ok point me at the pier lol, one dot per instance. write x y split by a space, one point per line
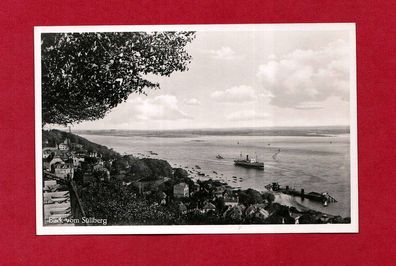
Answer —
323 197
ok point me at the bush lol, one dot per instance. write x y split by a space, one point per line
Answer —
180 173
249 197
158 168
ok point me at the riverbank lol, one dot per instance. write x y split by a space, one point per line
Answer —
313 163
149 183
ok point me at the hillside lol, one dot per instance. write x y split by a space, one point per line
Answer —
52 137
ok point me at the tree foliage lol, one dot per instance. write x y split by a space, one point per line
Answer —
180 173
84 75
121 206
249 197
159 168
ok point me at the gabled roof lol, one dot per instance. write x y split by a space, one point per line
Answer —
49 149
62 165
181 185
230 199
209 206
182 207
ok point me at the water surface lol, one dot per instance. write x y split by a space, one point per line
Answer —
314 163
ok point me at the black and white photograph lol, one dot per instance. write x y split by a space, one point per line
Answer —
188 129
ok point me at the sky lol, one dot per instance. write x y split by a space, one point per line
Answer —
247 79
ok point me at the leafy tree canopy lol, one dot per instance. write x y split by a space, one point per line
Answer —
84 75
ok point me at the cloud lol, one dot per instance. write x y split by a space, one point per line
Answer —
162 107
305 76
246 115
308 106
235 94
159 108
224 53
192 101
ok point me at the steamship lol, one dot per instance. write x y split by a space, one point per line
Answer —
249 163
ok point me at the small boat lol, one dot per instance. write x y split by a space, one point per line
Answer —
218 156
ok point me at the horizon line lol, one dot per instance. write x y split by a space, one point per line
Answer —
208 128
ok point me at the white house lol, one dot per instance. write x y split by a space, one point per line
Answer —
208 207
64 170
65 146
77 161
48 163
230 201
180 190
93 154
47 151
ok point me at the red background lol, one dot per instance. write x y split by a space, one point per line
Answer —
376 110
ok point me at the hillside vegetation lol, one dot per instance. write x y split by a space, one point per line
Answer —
53 137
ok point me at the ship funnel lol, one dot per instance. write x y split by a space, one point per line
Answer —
247 157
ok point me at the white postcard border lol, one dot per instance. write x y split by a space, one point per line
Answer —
353 227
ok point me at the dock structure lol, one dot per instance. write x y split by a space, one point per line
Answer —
323 197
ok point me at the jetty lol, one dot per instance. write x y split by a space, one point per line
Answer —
323 197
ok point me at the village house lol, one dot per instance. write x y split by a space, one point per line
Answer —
257 211
235 212
182 208
230 200
49 162
77 161
219 191
93 154
180 190
64 170
163 197
65 146
47 151
147 185
97 167
208 207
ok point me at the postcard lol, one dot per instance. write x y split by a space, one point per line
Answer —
196 129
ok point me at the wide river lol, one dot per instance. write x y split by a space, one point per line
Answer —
318 164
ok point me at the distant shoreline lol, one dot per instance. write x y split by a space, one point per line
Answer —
292 132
